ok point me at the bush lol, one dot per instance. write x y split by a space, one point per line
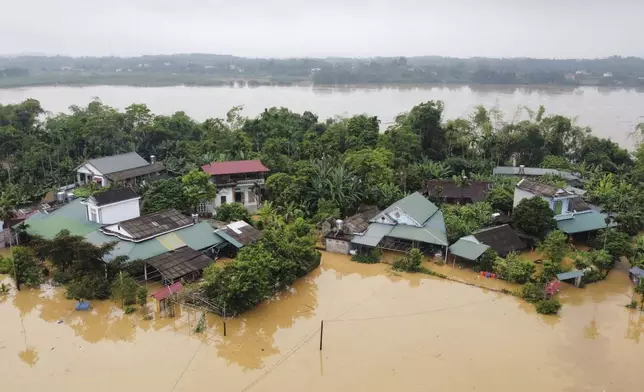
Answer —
410 262
129 309
548 306
618 244
5 265
534 217
88 287
62 277
486 261
372 257
532 292
514 269
230 212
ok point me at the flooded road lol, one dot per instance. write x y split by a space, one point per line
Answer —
382 332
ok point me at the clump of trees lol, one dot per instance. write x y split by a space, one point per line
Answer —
514 269
462 220
285 253
230 212
534 217
411 262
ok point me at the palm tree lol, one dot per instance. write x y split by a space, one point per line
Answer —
461 181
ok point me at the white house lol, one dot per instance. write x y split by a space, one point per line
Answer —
557 198
237 182
126 169
112 206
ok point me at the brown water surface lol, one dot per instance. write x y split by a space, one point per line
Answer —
383 331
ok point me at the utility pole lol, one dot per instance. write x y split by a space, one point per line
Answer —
321 332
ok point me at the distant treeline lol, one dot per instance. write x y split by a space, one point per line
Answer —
210 69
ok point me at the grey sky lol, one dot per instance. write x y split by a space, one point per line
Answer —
290 28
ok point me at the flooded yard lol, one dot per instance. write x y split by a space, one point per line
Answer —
382 332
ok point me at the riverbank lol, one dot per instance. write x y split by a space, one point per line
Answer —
381 331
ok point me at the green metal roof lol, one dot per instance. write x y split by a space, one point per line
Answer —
467 249
587 221
570 275
200 236
416 206
373 235
230 239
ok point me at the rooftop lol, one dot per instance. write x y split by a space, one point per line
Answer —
239 234
359 222
180 262
147 226
468 248
136 172
234 167
112 196
540 189
503 239
474 190
167 291
117 163
533 171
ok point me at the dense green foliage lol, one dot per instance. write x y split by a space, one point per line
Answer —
163 195
410 262
26 268
125 289
548 306
514 269
534 217
372 257
214 69
230 212
285 253
5 265
554 246
462 220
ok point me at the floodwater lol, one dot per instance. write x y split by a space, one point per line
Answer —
610 112
382 331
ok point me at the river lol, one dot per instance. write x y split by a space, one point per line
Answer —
382 332
610 112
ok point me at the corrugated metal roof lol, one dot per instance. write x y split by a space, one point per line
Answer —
234 167
586 221
373 235
570 275
116 163
467 249
171 241
637 271
199 236
533 171
48 228
416 206
137 171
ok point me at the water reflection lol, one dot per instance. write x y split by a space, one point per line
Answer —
29 356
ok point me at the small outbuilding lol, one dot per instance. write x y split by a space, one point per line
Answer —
163 297
184 262
468 248
636 274
570 275
503 239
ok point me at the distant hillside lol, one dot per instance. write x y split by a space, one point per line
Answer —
213 69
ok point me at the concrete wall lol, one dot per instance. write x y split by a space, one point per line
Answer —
118 212
520 194
337 246
249 199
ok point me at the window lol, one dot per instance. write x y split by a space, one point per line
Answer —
202 208
223 200
239 197
558 206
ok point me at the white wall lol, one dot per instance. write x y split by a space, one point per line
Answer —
520 194
250 201
118 212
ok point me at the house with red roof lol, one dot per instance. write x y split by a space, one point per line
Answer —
237 182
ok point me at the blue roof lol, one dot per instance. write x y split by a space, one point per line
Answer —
637 271
570 275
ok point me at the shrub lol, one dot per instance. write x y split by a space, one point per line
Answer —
372 257
129 309
548 306
486 261
617 244
410 262
62 277
514 269
142 296
532 292
232 212
5 265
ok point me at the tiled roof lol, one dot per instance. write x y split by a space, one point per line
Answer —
503 239
359 222
167 291
239 234
113 196
540 189
181 262
475 190
152 224
533 172
117 163
234 167
156 167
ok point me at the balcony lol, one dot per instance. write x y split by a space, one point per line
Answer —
232 182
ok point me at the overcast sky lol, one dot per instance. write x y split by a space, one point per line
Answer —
293 28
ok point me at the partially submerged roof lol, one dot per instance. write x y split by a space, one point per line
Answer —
359 222
583 222
533 172
167 291
373 235
117 163
474 190
416 206
541 189
152 168
234 167
503 239
468 248
570 275
112 196
148 226
71 217
637 271
239 234
181 262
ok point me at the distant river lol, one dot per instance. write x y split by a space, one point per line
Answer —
609 112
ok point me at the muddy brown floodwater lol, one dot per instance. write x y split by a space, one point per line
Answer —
382 332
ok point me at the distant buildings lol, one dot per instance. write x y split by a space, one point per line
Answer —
452 193
237 182
527 172
124 169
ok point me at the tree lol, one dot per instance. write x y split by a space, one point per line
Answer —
461 181
197 188
142 296
534 217
163 195
555 162
501 199
548 306
514 269
26 268
125 289
616 243
410 262
230 212
462 220
554 246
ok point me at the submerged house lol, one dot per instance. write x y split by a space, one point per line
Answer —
238 234
502 239
450 192
338 239
237 182
572 213
412 222
171 244
532 172
124 169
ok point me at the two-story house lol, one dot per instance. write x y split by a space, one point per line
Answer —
124 169
572 213
237 182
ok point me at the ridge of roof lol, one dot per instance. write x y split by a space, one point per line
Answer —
117 163
235 167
